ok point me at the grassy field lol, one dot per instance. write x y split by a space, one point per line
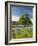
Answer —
21 32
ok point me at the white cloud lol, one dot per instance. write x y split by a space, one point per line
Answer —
15 18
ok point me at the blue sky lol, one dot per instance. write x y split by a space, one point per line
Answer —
18 10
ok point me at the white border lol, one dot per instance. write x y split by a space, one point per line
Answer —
34 25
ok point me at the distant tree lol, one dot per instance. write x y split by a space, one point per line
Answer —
24 19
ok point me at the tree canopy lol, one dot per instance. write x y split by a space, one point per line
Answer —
24 20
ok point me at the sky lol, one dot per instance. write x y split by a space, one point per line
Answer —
17 11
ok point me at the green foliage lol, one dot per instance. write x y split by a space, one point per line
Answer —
25 32
24 19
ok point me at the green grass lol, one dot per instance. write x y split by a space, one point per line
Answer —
25 32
